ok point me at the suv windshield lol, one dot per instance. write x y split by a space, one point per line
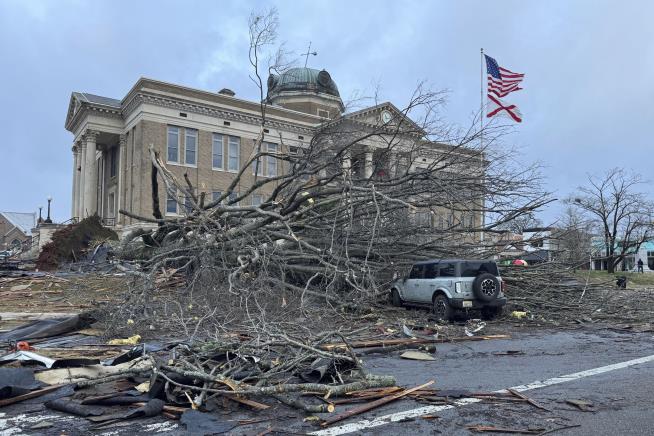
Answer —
473 269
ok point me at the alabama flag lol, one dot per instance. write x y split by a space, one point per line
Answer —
497 107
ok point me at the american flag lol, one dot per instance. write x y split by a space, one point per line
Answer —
502 82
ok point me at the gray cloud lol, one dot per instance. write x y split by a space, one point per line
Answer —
587 97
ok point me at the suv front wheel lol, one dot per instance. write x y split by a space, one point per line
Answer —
442 309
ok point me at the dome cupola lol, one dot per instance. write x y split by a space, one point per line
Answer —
305 90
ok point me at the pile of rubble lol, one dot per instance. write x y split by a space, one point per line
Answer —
71 368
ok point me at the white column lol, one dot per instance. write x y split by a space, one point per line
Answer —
82 180
346 164
121 177
75 199
368 164
90 175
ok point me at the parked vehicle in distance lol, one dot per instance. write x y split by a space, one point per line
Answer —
448 285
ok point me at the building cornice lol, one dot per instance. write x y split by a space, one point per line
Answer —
145 97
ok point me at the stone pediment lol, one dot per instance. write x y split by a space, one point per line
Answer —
385 115
80 101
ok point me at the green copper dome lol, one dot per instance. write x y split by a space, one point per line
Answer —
303 80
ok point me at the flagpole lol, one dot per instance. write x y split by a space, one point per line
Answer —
481 133
481 95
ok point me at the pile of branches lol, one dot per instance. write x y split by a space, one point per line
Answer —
250 370
551 293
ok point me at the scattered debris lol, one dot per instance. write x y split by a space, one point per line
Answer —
416 355
584 406
199 423
374 404
518 314
492 429
390 342
509 353
473 326
132 340
528 400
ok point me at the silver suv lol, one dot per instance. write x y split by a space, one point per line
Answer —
451 284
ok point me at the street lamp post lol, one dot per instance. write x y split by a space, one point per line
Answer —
48 220
40 218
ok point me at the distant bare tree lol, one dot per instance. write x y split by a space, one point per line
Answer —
623 215
574 237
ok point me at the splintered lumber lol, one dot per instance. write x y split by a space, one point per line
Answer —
403 341
488 428
373 404
254 404
30 395
528 400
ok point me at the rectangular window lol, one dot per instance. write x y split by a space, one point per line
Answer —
257 199
234 153
215 195
232 198
217 152
171 204
190 146
272 161
473 269
446 270
417 272
173 144
113 164
111 205
431 271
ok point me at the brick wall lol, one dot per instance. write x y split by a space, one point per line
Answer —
203 177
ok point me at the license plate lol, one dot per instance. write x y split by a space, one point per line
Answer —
467 304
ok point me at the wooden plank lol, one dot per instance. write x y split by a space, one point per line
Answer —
402 341
30 395
529 400
373 404
254 404
34 316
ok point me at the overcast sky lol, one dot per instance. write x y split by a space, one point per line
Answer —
587 102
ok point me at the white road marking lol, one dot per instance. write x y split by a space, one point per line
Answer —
414 413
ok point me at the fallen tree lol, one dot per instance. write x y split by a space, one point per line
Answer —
344 214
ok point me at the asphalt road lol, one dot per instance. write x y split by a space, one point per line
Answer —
621 398
621 395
